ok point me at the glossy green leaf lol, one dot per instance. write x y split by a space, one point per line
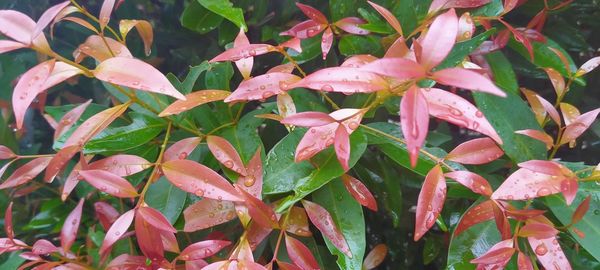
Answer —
166 198
343 8
311 49
494 8
226 9
218 76
471 244
199 19
352 44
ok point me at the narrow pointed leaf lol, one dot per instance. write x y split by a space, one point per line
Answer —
525 184
388 16
16 25
143 27
109 183
399 68
538 135
203 249
578 126
375 257
121 165
95 47
244 65
549 253
43 247
28 87
430 202
300 254
297 222
67 121
475 215
308 119
557 81
500 254
473 181
156 219
312 13
588 66
263 86
523 262
342 146
549 108
476 151
260 212
68 233
181 149
225 153
207 213
467 79
323 221
537 230
6 153
569 112
240 52
105 11
315 140
26 173
342 79
193 100
8 45
352 25
116 231
326 42
106 214
305 29
148 239
439 39
253 181
414 120
546 167
47 17
8 224
360 192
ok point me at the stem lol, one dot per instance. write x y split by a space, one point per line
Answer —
93 18
155 170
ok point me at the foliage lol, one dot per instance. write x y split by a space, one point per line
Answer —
111 164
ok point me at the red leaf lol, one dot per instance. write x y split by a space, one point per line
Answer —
225 153
580 125
498 254
375 257
121 165
581 210
388 16
109 183
260 212
399 68
193 100
457 110
466 79
352 25
244 65
315 140
305 29
207 213
136 74
43 247
68 233
143 27
117 230
126 262
8 224
26 173
312 13
343 80
95 47
525 184
326 41
263 86
30 84
67 121
181 149
6 153
287 266
47 17
342 146
414 119
431 201
240 52
308 119
155 218
537 230
105 11
253 181
360 192
501 221
523 214
300 254
538 135
149 240
106 214
195 265
297 222
475 215
169 241
324 222
549 253
549 108
473 181
439 39
588 66
196 178
201 250
523 262
476 151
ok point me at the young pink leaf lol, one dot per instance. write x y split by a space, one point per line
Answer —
431 201
109 183
283 68
116 231
6 153
67 121
59 161
287 266
547 167
8 224
414 120
326 42
557 81
588 66
523 262
207 213
126 261
195 265
537 230
466 27
343 80
308 119
193 100
169 241
578 126
181 149
312 13
525 184
26 173
498 254
398 49
549 108
315 140
473 181
43 247
305 29
29 86
260 212
569 112
17 26
439 39
77 20
95 47
203 249
106 214
399 68
61 72
9 45
388 16
375 257
148 239
324 222
538 135
156 219
263 86
47 17
68 233
121 164
300 254
143 27
475 215
244 65
240 52
297 222
476 151
457 110
352 25
342 146
549 253
466 79
294 44
136 74
359 60
253 181
105 11
359 192
225 153
568 187
196 178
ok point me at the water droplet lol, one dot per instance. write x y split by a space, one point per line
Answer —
543 192
327 88
228 164
182 155
541 249
199 192
117 233
283 85
249 181
353 125
267 94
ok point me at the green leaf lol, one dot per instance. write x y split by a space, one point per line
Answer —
351 45
343 8
155 102
226 10
510 114
218 76
13 261
199 19
311 48
463 49
380 178
187 85
374 23
494 8
166 198
348 217
143 129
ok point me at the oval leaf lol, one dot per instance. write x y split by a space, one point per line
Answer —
109 183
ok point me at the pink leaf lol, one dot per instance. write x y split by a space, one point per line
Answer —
342 146
109 183
43 247
126 261
476 151
473 181
525 184
95 47
475 215
8 45
546 167
181 149
537 230
260 212
297 222
588 66
557 81
466 79
388 16
121 164
326 42
59 161
300 254
105 11
193 100
498 254
169 241
244 65
430 202
116 231
240 52
569 187
308 119
358 60
106 214
523 262
201 250
549 253
439 39
253 181
47 17
578 126
324 222
312 13
344 80
466 27
67 121
26 173
305 29
143 27
549 108
414 119
263 86
375 257
149 239
283 68
457 110
6 153
61 72
156 219
29 86
287 266
398 68
352 25
399 49
68 233
359 192
207 213
225 153
136 74
16 25
569 112
315 140
196 178
538 135
8 224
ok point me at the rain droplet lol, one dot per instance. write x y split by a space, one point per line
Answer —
541 249
228 164
353 125
249 181
543 192
182 155
327 88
